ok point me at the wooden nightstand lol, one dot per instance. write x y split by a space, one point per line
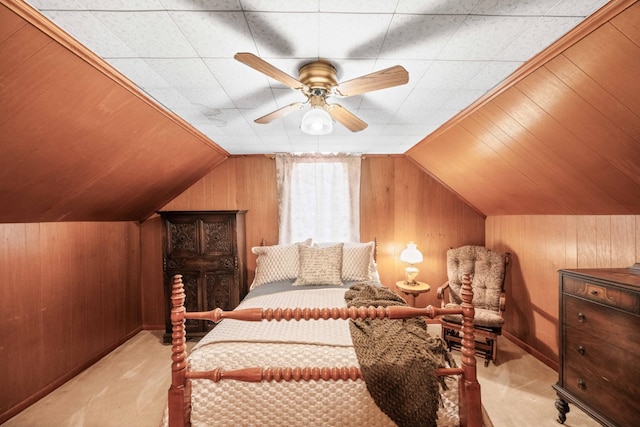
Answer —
413 289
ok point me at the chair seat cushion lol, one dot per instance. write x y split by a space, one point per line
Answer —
485 318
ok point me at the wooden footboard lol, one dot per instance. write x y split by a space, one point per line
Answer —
470 407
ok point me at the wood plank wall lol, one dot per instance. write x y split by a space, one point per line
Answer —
399 202
70 294
543 244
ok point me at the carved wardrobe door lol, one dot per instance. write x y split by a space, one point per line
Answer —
208 249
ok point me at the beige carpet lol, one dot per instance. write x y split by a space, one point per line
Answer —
129 386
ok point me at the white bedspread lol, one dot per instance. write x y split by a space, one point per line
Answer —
235 344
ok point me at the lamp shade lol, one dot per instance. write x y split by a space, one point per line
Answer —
411 255
316 121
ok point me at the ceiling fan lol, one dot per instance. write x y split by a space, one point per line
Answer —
317 81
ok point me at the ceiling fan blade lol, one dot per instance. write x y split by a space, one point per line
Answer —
389 77
345 117
264 67
268 118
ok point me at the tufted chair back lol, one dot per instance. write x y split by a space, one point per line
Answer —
487 269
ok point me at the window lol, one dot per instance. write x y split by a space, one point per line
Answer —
318 197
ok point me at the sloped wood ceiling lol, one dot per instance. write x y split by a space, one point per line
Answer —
78 142
563 139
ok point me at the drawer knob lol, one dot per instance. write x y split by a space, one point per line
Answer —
581 317
582 385
594 293
581 350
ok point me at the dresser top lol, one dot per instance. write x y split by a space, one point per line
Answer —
626 276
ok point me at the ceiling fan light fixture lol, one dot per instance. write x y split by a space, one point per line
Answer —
317 121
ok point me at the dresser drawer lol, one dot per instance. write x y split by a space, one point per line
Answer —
614 297
609 326
593 360
602 395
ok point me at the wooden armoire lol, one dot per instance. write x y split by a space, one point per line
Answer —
208 249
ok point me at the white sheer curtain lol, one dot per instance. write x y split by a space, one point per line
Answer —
318 197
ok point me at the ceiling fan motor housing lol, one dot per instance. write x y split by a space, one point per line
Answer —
318 75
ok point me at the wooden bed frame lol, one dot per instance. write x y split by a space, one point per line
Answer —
470 406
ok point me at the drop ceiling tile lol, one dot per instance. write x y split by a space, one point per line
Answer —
427 118
284 97
389 99
349 68
492 74
437 7
192 115
391 144
281 5
355 6
86 28
184 72
461 99
121 4
352 36
514 7
169 98
97 4
427 99
138 71
44 5
449 74
419 36
133 28
542 33
284 35
200 4
581 8
484 37
377 116
392 129
245 86
207 97
214 34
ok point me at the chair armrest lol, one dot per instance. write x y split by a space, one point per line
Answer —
503 302
440 294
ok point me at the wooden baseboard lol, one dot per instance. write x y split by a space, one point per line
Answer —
153 327
553 364
21 406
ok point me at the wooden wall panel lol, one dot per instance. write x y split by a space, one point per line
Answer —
559 136
543 244
70 294
80 142
398 203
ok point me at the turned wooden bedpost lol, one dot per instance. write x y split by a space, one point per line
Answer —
179 399
470 402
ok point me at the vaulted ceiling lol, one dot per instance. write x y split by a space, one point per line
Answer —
80 141
181 53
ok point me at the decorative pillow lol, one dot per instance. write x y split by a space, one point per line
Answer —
278 262
357 260
320 266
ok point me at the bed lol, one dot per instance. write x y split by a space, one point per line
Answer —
306 347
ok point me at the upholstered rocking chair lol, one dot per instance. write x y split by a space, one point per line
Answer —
487 270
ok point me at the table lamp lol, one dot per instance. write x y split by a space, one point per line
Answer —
411 256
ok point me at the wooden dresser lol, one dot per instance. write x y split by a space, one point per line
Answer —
599 369
208 249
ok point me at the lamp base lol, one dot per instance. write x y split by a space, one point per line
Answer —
411 273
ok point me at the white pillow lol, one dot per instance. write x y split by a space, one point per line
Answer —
320 266
277 262
357 260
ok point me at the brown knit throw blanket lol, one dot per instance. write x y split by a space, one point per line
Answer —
398 359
